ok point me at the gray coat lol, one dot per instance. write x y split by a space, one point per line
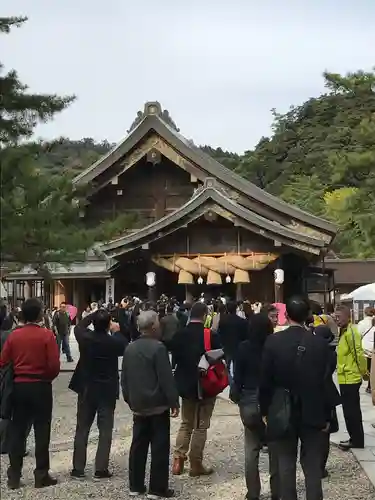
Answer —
147 381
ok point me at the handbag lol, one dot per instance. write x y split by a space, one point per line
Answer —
279 418
279 415
250 410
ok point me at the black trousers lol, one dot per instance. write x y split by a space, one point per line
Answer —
312 444
155 431
254 439
89 406
32 404
5 436
351 406
326 445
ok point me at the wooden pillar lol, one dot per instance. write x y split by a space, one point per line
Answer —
14 299
27 289
109 289
239 296
188 294
59 293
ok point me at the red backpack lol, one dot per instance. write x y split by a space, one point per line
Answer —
215 379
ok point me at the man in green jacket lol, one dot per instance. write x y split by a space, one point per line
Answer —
351 369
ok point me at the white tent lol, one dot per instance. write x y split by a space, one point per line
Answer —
363 293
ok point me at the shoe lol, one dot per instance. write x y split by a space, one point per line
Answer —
26 454
348 445
368 390
102 474
70 360
346 441
137 493
14 483
198 469
45 481
166 494
77 474
178 466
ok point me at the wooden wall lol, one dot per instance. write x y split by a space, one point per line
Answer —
150 191
203 236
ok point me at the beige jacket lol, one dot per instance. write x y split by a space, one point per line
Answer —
373 377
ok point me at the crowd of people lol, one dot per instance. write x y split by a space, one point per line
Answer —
176 360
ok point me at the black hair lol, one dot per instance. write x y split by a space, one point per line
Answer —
102 320
32 310
329 308
198 311
316 308
232 307
325 332
267 308
260 328
298 309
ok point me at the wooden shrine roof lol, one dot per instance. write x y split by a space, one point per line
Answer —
153 119
212 197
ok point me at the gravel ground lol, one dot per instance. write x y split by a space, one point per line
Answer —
224 450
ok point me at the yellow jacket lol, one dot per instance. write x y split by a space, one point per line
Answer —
351 362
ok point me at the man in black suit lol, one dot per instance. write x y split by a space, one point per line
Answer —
96 381
294 371
232 331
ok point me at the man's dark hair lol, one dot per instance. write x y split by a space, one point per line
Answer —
102 320
268 308
198 311
232 307
329 308
316 308
32 310
298 309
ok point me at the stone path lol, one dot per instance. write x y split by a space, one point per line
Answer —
365 457
224 450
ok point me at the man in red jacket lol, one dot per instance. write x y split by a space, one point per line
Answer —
34 355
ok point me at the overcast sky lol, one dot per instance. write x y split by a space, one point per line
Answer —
218 66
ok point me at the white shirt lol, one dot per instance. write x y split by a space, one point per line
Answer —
367 332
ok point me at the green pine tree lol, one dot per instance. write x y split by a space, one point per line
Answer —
41 214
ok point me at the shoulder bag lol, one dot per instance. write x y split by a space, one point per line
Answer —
279 418
250 409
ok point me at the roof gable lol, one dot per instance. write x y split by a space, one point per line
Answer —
153 120
211 197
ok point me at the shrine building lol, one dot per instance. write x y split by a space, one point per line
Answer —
200 228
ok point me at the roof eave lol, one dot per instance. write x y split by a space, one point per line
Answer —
206 163
150 232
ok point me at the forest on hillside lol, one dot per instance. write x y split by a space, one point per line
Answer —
320 157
